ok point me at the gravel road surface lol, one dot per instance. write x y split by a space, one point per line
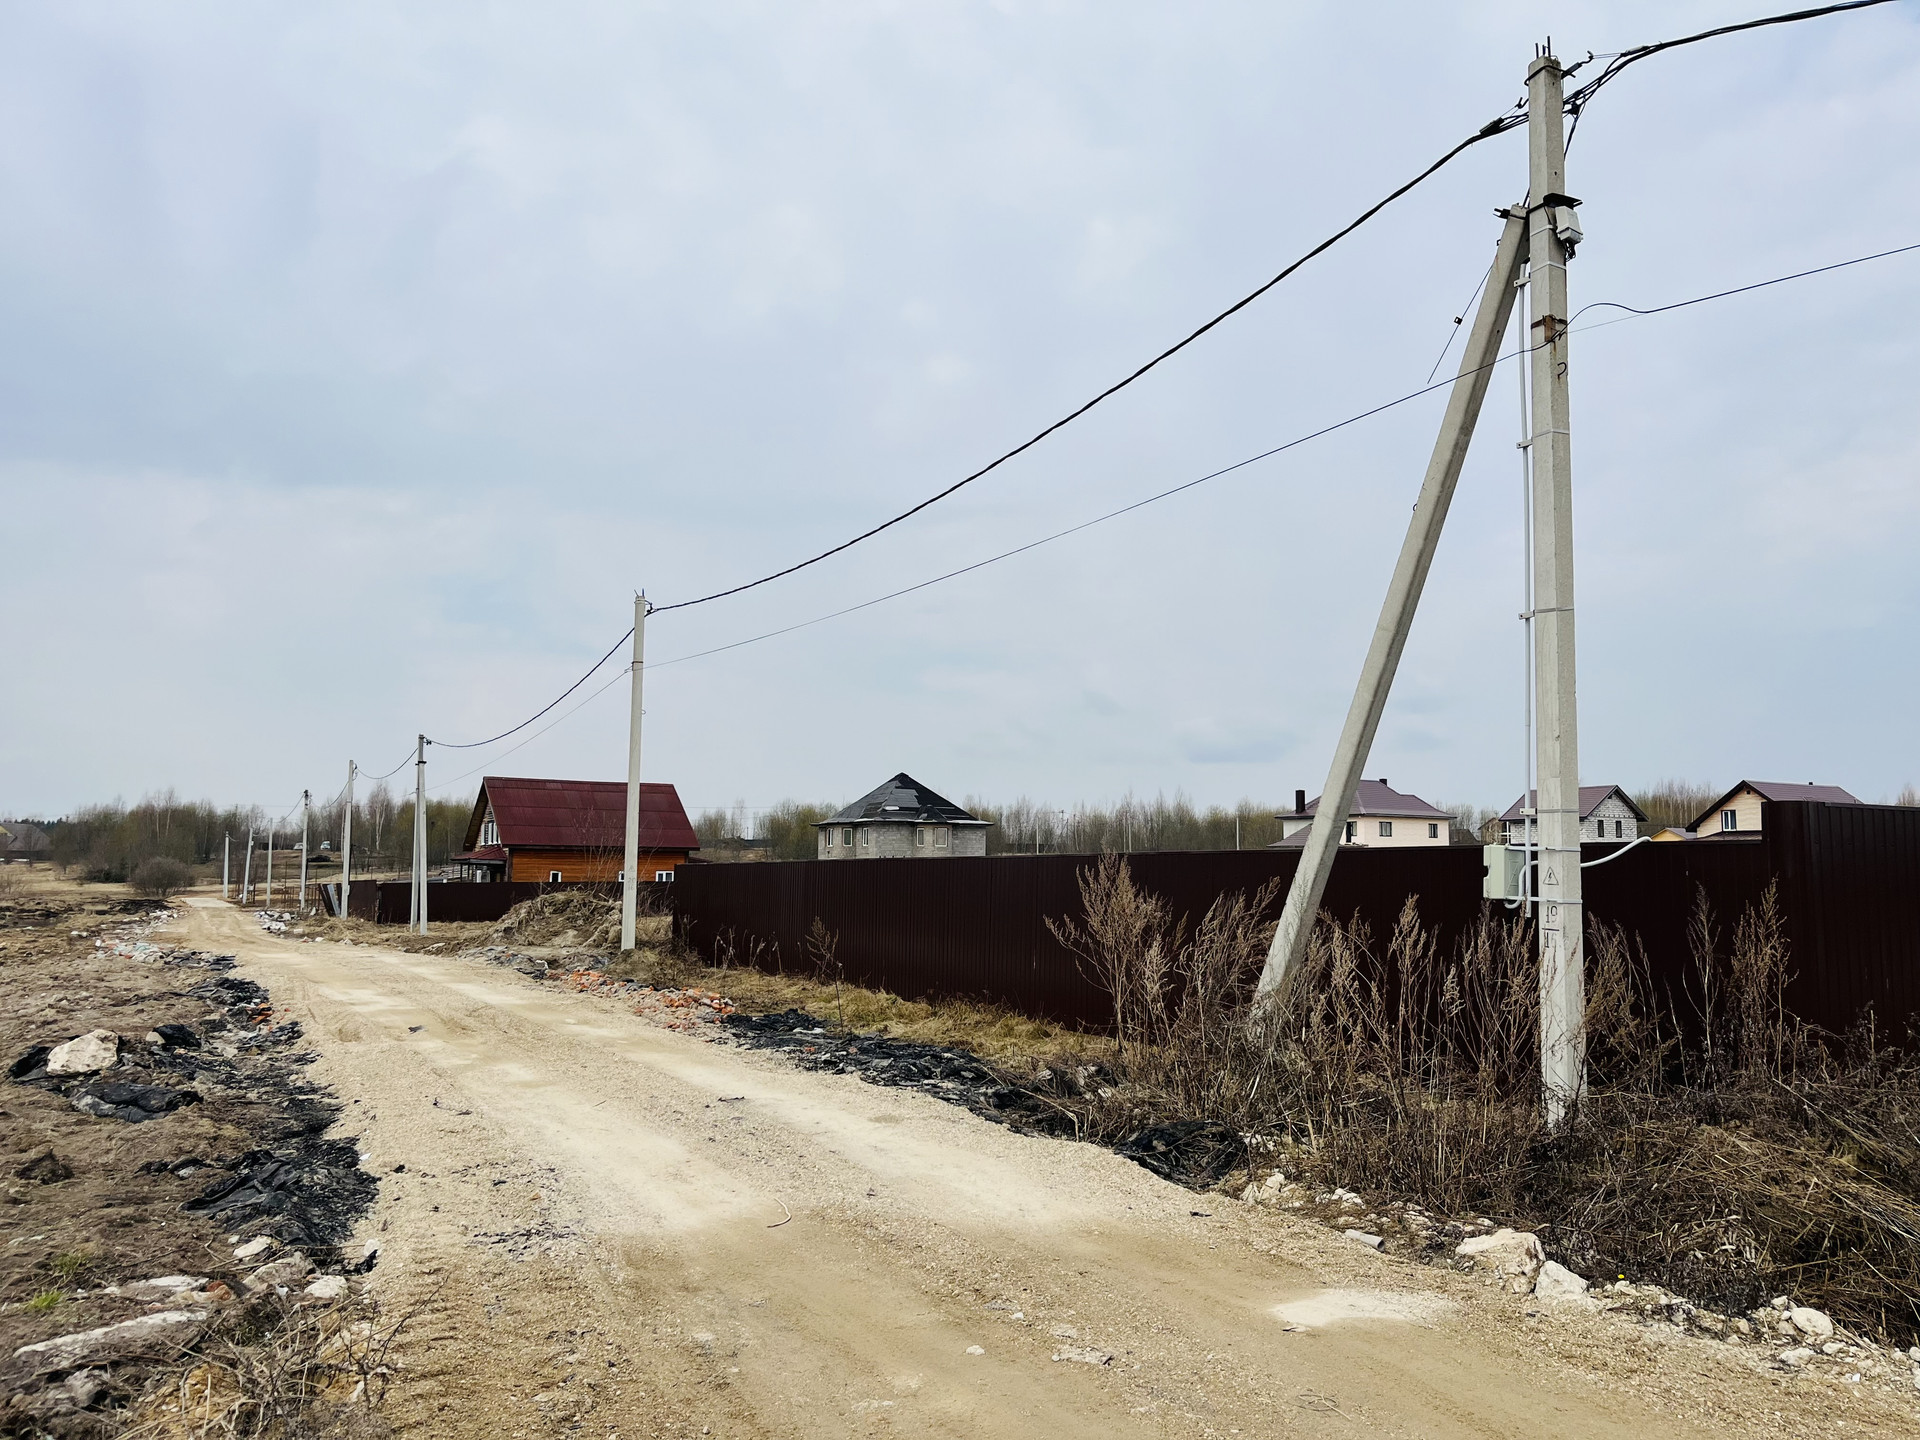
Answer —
592 1233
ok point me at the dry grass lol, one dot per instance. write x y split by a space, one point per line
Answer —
1731 1155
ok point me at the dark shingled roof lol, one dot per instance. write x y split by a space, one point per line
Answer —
905 800
1376 797
1590 798
1777 790
579 814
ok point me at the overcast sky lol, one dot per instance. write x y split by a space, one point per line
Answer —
358 362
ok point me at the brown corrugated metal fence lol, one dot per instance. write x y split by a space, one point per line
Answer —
1849 881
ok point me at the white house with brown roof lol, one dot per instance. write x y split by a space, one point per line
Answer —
1606 813
1738 811
1380 817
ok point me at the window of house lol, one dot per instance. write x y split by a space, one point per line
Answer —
1386 829
1729 820
1617 831
1353 831
866 839
940 838
620 877
920 835
1433 830
846 837
662 876
829 835
553 877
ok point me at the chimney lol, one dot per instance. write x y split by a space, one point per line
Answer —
1299 802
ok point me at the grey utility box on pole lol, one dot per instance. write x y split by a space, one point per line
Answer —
1557 730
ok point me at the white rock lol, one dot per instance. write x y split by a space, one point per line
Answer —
1555 1283
161 1287
289 1269
1796 1357
1514 1256
259 1245
328 1287
69 1352
976 1350
1781 1302
1364 1238
1810 1322
1084 1355
96 1050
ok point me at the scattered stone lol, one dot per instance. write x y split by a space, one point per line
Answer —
47 1168
289 1269
1810 1322
165 1329
328 1287
1512 1256
1372 1241
1555 1283
259 1245
84 1054
976 1350
1083 1355
1796 1357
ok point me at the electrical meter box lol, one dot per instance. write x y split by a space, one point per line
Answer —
1506 867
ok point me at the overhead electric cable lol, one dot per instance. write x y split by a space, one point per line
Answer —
476 744
1265 454
1578 99
391 773
1497 126
1126 509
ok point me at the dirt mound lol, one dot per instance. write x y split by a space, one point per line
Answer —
578 919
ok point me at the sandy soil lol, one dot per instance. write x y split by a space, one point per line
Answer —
592 1230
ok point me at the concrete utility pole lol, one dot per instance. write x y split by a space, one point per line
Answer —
226 866
246 877
630 877
306 804
1551 232
270 827
346 846
419 886
1396 615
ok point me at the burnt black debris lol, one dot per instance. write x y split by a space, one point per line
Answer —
180 1037
956 1076
129 1101
1194 1153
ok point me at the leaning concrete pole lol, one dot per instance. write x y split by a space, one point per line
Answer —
1556 738
246 872
1396 615
629 889
226 867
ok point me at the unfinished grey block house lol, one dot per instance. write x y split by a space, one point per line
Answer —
901 820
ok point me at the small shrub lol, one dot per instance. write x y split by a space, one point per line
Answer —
160 876
43 1302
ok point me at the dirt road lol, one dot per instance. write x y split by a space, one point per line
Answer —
592 1227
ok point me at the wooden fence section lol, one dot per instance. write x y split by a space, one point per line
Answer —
1849 885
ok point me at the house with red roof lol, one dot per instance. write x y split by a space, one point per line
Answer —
562 830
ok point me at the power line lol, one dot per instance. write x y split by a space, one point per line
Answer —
476 744
1263 455
1122 510
1741 289
1578 99
1497 126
